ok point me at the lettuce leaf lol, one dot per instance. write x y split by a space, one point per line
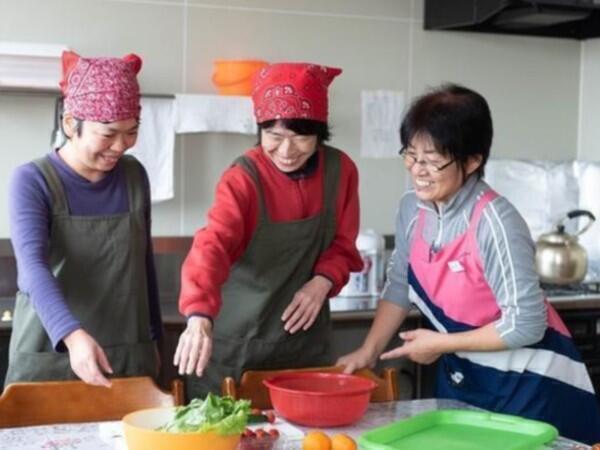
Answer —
223 415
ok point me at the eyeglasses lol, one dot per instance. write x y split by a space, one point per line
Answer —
410 160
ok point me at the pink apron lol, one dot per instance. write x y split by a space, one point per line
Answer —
545 381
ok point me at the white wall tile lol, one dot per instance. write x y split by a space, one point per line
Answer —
372 8
104 28
532 84
589 120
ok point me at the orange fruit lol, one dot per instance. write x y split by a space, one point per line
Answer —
316 440
343 442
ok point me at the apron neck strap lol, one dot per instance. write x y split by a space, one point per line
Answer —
482 201
57 191
133 175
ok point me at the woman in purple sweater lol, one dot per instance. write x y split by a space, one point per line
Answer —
87 305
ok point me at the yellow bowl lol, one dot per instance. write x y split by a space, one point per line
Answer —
140 434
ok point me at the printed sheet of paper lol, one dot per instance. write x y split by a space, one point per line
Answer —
381 113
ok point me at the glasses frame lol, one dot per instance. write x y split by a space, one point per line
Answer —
410 161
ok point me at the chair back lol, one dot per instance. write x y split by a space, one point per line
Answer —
252 388
46 402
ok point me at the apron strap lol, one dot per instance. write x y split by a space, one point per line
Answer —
331 179
331 176
482 202
135 182
57 191
248 165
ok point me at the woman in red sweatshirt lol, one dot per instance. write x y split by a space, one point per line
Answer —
279 241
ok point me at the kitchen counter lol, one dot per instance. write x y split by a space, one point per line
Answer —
344 308
363 308
108 435
380 414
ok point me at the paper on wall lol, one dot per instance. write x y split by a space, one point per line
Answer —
381 113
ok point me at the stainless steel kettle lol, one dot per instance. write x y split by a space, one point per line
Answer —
559 258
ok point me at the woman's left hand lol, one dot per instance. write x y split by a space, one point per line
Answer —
421 346
306 304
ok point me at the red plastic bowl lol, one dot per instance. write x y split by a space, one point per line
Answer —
319 399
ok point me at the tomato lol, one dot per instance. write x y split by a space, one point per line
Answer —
248 433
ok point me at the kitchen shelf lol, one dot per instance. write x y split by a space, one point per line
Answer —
56 92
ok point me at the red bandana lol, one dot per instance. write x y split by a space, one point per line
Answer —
101 89
292 91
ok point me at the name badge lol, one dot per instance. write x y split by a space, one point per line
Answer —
456 266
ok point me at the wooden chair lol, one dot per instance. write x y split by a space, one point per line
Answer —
39 403
251 384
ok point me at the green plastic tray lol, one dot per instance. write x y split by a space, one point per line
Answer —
459 430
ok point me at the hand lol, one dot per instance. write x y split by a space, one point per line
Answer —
306 304
358 359
194 347
421 346
87 358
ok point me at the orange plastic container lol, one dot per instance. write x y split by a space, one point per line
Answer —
141 433
320 399
235 77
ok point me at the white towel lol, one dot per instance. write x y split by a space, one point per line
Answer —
155 145
215 113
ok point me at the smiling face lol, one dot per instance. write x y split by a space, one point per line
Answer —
287 150
99 146
435 177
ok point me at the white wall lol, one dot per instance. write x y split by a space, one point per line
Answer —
532 84
589 125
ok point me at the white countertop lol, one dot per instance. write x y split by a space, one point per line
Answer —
108 435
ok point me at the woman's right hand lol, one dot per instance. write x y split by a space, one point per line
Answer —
87 358
194 347
358 359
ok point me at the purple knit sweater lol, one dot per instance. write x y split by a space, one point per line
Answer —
30 205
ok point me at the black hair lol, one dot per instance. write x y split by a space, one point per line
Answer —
457 119
304 127
78 126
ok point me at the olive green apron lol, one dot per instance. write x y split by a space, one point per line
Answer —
280 258
100 265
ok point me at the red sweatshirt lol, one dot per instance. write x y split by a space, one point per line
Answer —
233 217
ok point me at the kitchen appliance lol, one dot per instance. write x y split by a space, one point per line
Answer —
369 281
559 258
459 429
575 19
320 399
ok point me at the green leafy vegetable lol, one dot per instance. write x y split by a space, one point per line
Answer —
223 415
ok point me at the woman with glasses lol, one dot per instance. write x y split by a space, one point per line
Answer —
466 256
279 241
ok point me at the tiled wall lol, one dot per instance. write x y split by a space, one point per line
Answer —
532 84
